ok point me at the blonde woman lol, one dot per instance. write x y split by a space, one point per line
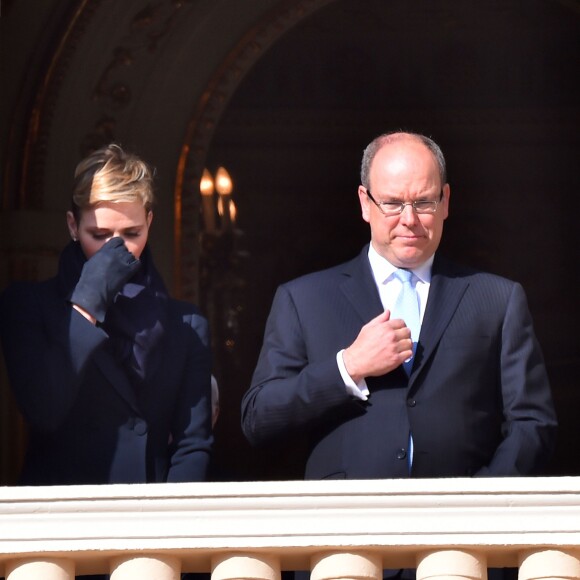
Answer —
111 374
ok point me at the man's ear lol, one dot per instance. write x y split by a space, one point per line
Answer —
364 203
446 196
149 218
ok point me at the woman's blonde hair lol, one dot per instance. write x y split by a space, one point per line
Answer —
109 174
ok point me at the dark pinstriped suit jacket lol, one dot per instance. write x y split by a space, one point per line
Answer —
478 399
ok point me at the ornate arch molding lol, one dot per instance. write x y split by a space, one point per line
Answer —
22 181
148 26
202 126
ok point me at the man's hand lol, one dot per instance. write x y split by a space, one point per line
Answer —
381 346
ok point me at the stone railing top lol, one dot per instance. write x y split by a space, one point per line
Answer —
297 517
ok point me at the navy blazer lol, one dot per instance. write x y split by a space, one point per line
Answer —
477 402
87 423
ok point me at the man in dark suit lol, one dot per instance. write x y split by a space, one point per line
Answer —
473 398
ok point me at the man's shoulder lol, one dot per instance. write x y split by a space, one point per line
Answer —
442 266
330 275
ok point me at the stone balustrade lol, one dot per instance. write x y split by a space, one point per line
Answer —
446 528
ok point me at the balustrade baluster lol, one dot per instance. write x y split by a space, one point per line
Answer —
451 565
550 564
41 569
245 567
346 566
146 568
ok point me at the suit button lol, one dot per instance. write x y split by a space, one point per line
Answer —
401 454
411 402
140 427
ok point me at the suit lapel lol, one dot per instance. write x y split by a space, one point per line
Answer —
445 294
360 288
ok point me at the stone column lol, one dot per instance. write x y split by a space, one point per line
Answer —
146 568
346 566
245 567
550 564
41 569
451 565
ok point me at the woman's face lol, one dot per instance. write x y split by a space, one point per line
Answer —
98 224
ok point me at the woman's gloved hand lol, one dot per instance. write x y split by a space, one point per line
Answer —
103 276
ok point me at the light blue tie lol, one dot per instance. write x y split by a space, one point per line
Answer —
407 308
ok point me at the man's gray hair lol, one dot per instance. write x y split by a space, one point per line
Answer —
386 138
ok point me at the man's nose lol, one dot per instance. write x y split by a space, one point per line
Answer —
408 215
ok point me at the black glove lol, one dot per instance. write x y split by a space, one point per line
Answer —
103 276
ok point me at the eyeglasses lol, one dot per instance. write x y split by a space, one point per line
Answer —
396 207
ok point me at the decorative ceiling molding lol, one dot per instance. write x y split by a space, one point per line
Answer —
148 28
28 182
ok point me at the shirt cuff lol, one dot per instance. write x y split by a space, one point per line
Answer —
358 390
